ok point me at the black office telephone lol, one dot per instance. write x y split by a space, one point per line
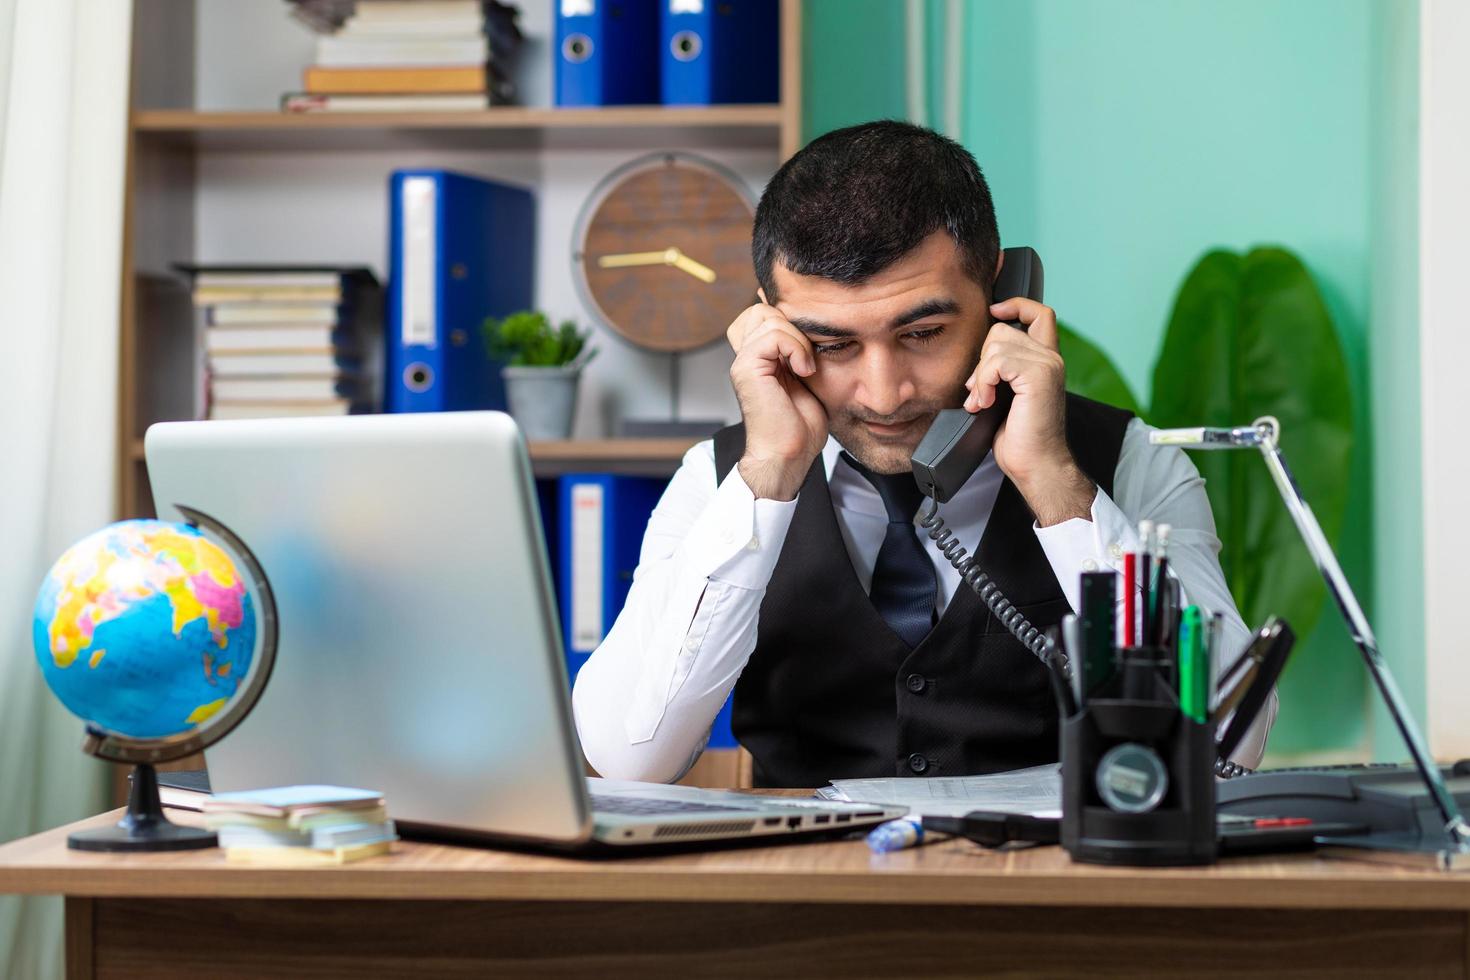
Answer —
955 445
958 441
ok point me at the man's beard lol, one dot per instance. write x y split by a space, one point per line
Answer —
889 454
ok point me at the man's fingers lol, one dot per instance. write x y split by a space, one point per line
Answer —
778 341
1012 366
749 318
1039 320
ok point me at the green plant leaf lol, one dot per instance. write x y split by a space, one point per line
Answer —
526 338
1090 373
1251 336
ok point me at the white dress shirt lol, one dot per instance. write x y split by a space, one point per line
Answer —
645 700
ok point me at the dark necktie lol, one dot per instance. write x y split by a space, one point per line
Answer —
904 581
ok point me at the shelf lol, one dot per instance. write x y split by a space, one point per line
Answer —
649 457
504 127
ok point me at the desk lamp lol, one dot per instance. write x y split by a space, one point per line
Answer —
1263 435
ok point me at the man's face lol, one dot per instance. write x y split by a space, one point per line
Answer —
891 352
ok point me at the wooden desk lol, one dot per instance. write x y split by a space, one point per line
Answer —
831 908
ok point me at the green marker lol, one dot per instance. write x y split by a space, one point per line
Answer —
1193 671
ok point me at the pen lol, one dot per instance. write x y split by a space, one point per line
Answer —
1072 643
1162 616
895 835
1191 648
1130 583
1145 583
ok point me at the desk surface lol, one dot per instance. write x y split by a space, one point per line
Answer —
947 873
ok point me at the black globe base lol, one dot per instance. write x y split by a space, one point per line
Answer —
143 827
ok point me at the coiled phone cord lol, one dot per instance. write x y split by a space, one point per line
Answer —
1226 769
1010 617
983 586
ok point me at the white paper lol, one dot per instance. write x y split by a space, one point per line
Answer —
1036 792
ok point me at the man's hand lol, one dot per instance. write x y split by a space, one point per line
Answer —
785 425
1031 446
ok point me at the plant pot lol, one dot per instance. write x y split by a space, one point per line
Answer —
543 400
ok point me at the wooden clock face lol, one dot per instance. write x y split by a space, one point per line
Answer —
662 252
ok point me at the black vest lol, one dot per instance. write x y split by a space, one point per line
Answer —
830 692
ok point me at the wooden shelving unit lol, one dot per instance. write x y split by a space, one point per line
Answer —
508 127
167 145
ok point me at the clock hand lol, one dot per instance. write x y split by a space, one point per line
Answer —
669 256
623 259
698 270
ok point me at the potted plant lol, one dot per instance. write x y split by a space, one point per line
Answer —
541 367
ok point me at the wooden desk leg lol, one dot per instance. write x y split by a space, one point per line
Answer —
81 963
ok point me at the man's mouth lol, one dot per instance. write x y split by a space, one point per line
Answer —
892 429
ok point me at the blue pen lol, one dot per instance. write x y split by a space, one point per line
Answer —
895 835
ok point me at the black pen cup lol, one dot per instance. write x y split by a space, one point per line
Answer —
1138 783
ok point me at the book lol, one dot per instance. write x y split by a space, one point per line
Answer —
182 789
265 279
283 801
273 313
401 10
283 388
277 409
323 838
210 295
390 50
238 365
298 822
305 337
466 78
421 27
302 102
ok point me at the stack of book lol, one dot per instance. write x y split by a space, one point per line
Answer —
302 825
289 340
420 55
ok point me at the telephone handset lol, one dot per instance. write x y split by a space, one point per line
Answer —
954 447
957 442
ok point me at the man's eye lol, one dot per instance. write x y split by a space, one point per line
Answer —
828 349
926 335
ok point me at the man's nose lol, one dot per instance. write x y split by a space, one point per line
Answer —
882 384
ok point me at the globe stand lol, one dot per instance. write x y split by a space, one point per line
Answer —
143 827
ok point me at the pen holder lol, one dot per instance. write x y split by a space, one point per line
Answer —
1138 784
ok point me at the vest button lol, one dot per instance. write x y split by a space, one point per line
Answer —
918 763
916 683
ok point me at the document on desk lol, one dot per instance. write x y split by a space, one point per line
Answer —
1036 792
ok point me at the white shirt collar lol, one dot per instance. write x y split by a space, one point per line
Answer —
851 491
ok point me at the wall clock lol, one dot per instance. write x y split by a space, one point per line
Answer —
661 252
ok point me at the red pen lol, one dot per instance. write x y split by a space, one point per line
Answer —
1130 583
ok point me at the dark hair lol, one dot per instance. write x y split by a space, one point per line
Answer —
856 200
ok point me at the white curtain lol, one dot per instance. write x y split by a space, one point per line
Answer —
63 139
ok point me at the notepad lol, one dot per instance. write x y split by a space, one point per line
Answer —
1036 792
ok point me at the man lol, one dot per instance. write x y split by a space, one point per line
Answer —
783 560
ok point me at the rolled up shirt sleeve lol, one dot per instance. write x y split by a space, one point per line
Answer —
645 700
1159 484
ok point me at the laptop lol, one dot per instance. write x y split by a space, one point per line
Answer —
420 650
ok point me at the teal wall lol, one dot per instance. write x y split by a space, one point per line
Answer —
1123 140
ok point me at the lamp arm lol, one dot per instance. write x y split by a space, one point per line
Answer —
1262 435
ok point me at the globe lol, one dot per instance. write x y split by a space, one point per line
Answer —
145 629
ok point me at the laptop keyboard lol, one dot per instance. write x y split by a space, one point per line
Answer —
640 806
